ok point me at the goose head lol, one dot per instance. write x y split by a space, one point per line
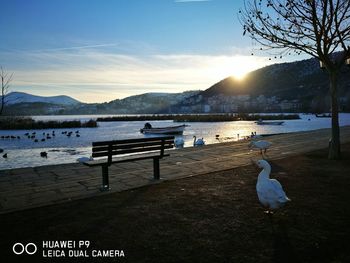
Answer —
263 164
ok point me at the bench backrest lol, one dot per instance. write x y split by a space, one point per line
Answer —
119 147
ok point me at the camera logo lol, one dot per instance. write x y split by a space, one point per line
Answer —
20 248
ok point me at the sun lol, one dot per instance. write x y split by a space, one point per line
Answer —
239 73
237 66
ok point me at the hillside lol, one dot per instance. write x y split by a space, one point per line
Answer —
282 80
296 86
151 102
147 103
21 97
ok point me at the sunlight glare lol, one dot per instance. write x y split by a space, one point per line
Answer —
237 66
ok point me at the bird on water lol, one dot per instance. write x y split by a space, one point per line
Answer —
198 142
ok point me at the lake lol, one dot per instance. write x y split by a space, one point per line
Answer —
25 152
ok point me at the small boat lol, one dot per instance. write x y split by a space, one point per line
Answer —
324 115
148 129
261 122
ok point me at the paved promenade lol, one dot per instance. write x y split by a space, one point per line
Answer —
33 187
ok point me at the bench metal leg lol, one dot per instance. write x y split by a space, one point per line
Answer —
105 181
156 169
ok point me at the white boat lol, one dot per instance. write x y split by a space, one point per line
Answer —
261 122
148 129
324 115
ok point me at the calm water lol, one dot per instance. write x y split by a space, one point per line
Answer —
62 149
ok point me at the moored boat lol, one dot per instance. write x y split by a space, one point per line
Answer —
324 115
261 122
148 129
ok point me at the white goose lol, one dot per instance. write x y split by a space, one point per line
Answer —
198 142
179 142
270 191
262 145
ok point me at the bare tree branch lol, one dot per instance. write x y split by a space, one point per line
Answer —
6 79
315 27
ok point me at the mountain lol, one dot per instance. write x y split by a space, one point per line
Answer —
21 97
151 102
147 103
297 86
287 80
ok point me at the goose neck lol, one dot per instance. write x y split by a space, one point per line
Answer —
265 173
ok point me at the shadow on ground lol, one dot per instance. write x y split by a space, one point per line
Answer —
209 218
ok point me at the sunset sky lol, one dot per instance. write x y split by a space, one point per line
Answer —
100 50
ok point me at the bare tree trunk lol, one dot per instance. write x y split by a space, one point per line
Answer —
2 93
5 84
2 105
334 143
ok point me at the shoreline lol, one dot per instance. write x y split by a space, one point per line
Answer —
40 186
209 117
61 154
28 123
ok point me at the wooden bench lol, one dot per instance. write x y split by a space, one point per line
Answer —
127 151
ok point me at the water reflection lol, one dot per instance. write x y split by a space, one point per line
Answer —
62 149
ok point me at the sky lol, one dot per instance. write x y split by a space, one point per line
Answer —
101 50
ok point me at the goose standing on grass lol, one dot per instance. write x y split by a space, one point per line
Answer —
270 191
179 142
262 145
198 142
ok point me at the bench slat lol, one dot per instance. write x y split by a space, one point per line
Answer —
132 145
122 159
136 150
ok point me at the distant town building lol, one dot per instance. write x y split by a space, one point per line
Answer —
206 108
